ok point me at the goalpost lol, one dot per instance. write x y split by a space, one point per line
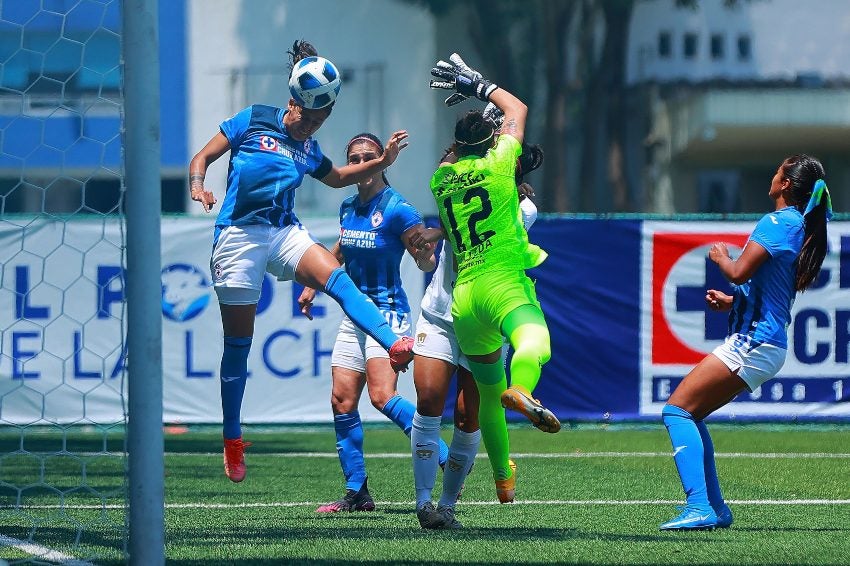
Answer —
81 447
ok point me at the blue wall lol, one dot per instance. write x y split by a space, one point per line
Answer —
72 53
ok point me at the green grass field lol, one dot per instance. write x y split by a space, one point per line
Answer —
591 494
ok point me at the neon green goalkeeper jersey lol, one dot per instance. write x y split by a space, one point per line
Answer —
479 208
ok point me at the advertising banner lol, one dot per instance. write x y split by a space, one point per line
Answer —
624 301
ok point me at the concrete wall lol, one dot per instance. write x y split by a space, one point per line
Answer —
385 49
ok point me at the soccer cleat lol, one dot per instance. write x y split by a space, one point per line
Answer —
234 459
401 353
506 489
692 518
724 517
351 501
449 520
517 398
429 518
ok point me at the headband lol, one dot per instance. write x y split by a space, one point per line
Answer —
362 139
478 142
820 194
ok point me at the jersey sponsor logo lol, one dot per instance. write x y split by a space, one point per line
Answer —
357 238
377 218
268 143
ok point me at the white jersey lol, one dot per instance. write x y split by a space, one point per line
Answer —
438 295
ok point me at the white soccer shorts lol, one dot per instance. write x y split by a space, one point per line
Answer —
243 254
754 365
435 338
353 347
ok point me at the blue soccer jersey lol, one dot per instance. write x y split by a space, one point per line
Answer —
370 240
266 166
762 305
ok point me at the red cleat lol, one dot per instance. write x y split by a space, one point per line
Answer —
401 353
234 459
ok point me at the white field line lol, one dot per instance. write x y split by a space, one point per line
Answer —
580 502
42 552
389 455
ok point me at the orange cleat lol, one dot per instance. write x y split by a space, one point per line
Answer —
518 398
506 489
234 458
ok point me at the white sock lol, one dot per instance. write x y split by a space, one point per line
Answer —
461 457
425 448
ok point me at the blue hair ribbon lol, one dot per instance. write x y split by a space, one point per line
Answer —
820 194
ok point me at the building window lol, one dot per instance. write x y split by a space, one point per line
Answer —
665 45
689 45
717 46
745 48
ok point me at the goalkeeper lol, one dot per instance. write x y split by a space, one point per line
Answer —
493 297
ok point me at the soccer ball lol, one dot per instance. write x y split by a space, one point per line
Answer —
314 82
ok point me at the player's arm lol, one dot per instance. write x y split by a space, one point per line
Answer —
351 174
308 295
739 270
424 254
214 149
515 113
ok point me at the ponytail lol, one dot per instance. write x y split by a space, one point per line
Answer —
817 213
300 50
810 196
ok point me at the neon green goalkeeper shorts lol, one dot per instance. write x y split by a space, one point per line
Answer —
482 304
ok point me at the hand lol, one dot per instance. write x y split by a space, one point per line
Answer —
203 196
305 301
458 76
494 114
425 238
525 191
718 252
395 144
718 301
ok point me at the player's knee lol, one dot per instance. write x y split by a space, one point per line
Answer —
380 397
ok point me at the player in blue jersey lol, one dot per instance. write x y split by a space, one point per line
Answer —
257 231
782 256
375 227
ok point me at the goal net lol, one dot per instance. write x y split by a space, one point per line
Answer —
62 310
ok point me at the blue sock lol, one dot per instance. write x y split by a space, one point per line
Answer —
712 484
349 446
400 411
234 374
359 308
687 453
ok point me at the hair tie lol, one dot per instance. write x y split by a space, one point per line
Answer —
478 142
820 194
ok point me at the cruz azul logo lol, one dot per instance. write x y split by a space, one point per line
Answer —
678 329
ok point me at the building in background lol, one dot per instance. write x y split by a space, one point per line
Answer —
67 56
729 92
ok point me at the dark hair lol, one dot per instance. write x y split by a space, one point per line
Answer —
803 171
367 136
530 159
302 49
473 134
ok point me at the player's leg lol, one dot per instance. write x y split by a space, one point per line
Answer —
712 482
709 385
238 264
465 440
525 328
431 377
345 395
319 269
476 321
382 382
